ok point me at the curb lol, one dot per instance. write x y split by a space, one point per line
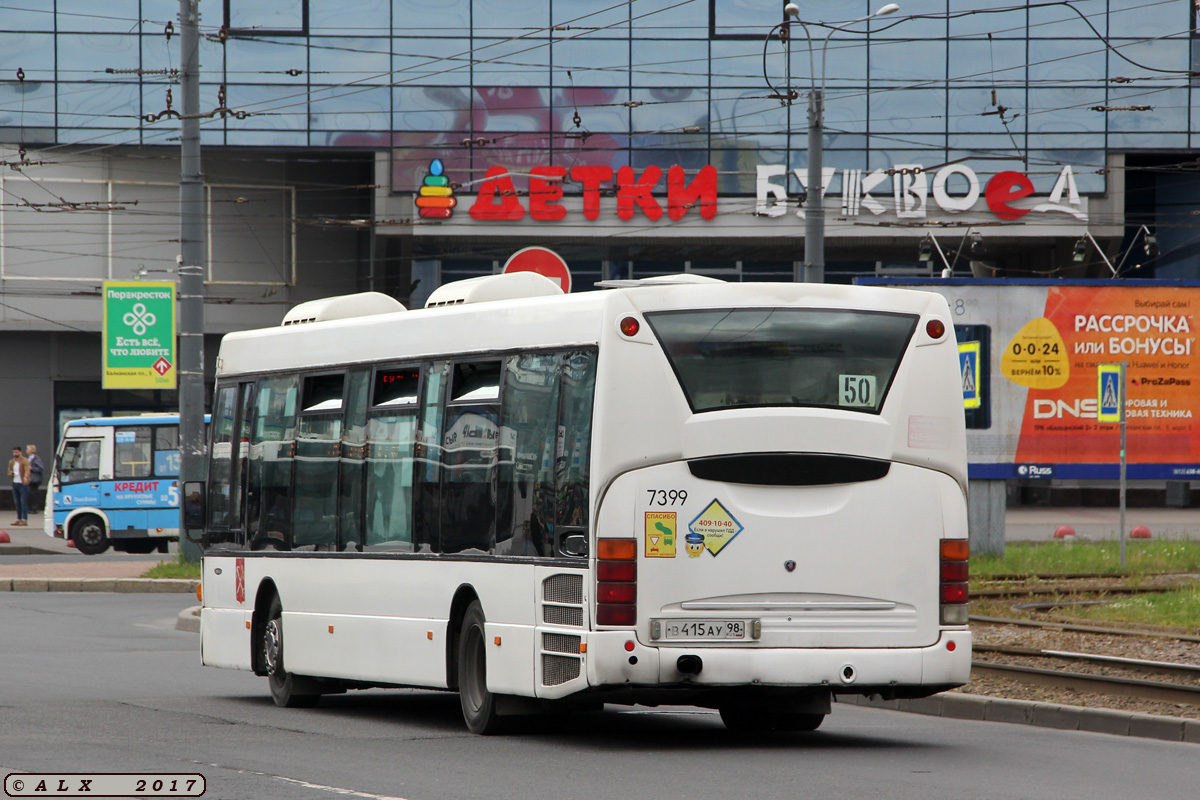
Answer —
979 708
27 550
120 585
188 620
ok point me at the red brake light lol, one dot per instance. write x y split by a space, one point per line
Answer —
954 593
616 592
617 571
935 328
616 614
630 326
955 571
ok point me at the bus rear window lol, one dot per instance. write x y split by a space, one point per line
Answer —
749 357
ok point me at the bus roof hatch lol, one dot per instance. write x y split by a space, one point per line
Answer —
364 304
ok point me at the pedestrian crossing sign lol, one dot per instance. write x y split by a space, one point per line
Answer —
1109 393
968 366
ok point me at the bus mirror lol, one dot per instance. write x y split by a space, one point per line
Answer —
193 505
572 542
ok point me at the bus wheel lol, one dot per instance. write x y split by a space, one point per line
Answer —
283 684
478 704
88 534
798 722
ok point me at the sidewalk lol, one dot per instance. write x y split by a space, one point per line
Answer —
33 561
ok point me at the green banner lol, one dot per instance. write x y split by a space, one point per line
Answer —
139 335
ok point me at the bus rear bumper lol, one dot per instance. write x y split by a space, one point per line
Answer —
902 671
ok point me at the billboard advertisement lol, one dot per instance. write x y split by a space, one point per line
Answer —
1040 379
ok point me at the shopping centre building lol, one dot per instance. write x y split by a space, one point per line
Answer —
985 139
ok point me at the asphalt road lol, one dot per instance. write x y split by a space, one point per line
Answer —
103 683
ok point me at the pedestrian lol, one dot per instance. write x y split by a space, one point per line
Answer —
18 470
36 468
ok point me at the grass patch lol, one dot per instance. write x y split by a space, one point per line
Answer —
188 570
1177 608
1055 558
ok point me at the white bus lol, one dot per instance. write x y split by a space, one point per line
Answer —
747 497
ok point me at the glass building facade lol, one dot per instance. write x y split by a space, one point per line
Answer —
1000 86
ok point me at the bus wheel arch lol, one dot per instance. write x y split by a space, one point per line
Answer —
90 533
463 598
480 707
287 690
258 622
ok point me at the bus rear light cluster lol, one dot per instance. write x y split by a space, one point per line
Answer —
952 587
616 582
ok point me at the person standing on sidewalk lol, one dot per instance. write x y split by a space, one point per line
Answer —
36 469
18 470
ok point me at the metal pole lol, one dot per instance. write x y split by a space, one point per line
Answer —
814 215
191 267
1121 399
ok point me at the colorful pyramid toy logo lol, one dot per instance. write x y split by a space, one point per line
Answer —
436 198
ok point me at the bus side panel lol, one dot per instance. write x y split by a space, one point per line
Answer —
225 637
366 648
389 616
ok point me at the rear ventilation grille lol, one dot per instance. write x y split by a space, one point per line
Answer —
566 588
562 615
562 600
559 669
560 643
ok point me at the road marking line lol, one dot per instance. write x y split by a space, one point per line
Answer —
336 790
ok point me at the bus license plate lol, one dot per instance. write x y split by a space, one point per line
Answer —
692 630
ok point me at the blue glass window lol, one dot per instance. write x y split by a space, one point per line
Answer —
441 62
745 18
339 60
591 62
597 17
671 19
510 17
669 63
422 18
262 16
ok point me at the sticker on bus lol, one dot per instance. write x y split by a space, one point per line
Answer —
716 526
660 534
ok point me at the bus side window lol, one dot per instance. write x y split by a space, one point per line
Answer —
470 451
427 462
220 455
271 455
350 473
572 451
132 458
80 462
318 453
391 458
525 488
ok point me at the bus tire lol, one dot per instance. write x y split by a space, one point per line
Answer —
797 723
478 704
89 535
284 685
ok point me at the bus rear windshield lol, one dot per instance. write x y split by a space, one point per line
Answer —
749 357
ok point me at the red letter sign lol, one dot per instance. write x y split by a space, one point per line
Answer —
591 178
486 207
631 192
682 197
545 192
1005 187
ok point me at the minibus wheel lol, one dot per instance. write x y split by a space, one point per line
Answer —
284 685
89 535
478 704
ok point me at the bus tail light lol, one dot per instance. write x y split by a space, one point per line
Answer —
616 582
953 573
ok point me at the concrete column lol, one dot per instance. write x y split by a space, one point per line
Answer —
986 503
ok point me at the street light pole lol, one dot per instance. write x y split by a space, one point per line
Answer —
814 214
191 268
